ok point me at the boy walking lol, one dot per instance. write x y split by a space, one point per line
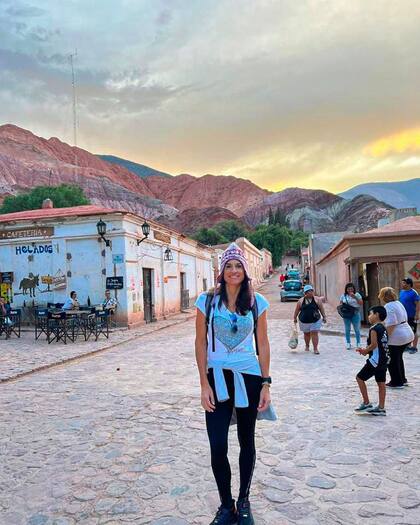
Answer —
376 364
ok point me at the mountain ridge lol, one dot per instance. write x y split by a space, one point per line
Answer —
183 201
400 194
141 170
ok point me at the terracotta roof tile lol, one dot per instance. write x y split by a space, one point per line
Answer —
74 211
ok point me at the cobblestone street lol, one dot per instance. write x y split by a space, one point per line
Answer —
119 437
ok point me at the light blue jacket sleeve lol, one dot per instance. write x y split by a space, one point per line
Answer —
200 303
262 303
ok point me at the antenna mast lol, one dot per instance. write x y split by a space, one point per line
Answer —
73 83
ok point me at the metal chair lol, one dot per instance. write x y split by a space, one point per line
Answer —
41 322
98 323
10 323
56 327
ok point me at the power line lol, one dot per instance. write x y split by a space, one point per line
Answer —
73 83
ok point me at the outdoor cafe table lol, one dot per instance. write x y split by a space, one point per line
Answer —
79 315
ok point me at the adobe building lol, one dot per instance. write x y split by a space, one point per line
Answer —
371 260
46 253
260 262
319 245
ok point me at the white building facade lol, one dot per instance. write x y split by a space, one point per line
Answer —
46 253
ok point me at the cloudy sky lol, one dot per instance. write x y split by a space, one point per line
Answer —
309 93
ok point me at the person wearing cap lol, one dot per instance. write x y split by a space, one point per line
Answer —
411 302
233 377
309 311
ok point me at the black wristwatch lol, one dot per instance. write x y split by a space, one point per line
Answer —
266 380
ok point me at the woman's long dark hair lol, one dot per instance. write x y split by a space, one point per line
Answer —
349 285
245 298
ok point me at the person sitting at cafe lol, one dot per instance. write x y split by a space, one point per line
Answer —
4 307
109 303
71 302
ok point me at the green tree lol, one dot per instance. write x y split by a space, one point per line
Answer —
298 239
270 216
209 236
62 196
231 230
280 218
274 237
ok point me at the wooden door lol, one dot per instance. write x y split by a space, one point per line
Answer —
388 275
147 295
372 284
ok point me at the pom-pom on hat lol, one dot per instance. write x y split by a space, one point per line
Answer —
233 252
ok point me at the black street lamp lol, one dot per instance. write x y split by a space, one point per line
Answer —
145 228
101 227
168 255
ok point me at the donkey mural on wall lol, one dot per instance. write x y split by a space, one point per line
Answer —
29 283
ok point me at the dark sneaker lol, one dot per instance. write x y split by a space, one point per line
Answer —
225 516
363 407
376 411
244 513
412 350
390 385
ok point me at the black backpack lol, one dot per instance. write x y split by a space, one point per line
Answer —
210 305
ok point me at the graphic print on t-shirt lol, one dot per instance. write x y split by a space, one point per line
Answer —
223 330
234 333
379 357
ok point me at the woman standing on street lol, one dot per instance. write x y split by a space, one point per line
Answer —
309 310
400 336
232 376
352 301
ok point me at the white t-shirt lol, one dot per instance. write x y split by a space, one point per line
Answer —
69 304
228 343
397 315
351 301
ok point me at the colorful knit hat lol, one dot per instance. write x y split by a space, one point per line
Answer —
233 252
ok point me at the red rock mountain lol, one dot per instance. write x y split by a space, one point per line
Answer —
185 191
191 220
184 202
27 161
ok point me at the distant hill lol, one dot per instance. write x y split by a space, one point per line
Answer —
139 169
402 194
183 201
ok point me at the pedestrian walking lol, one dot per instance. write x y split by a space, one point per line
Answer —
311 314
234 379
351 301
410 299
375 366
400 336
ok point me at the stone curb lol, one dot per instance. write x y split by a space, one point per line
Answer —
92 352
332 331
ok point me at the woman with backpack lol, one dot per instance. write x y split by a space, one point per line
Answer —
309 311
350 304
234 376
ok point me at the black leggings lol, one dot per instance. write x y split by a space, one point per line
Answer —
218 427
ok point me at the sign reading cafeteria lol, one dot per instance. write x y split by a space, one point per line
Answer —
22 233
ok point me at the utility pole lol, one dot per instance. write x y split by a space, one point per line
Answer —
73 83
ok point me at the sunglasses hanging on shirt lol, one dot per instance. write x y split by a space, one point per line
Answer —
233 323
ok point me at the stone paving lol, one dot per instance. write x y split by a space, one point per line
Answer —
20 356
119 437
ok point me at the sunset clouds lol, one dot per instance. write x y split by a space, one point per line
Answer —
407 141
310 93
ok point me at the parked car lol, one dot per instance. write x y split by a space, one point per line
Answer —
293 274
292 289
